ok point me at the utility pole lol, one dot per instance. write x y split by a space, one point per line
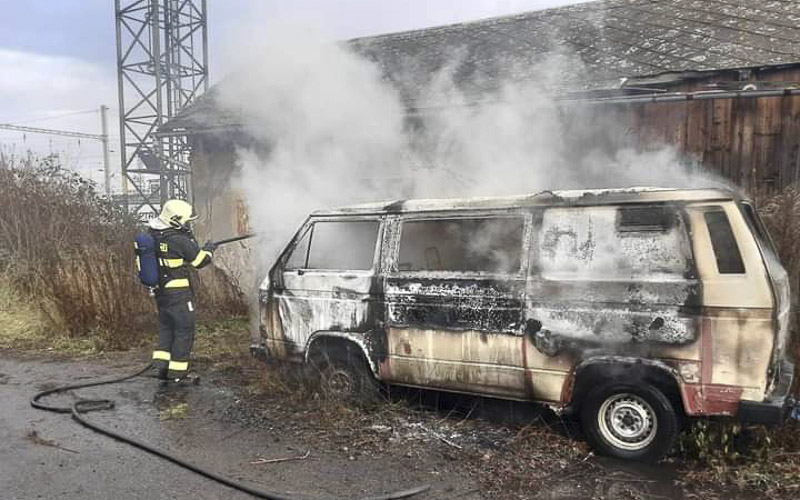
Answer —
104 135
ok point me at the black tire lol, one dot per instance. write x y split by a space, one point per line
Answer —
629 421
344 376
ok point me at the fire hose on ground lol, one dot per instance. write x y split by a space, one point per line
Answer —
79 408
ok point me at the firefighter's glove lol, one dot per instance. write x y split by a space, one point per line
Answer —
210 246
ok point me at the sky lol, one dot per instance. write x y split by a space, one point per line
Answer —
59 57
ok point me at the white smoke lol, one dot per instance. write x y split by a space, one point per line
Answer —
330 131
325 124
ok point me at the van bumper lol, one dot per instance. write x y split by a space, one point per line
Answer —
776 407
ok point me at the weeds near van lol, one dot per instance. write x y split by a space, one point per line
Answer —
722 452
781 214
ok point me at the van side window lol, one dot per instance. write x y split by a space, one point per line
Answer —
602 243
471 245
337 245
726 251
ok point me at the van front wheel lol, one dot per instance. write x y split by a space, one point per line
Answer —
345 377
631 422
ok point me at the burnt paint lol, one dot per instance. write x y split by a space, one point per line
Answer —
456 304
588 313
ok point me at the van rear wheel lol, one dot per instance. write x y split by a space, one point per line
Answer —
631 422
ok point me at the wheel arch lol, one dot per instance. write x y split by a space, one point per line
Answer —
594 371
339 340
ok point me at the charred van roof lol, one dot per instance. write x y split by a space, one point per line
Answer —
543 198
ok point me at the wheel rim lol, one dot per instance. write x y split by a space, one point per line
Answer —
340 382
627 421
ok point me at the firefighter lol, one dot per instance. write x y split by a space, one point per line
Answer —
177 253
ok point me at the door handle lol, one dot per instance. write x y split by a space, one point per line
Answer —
300 272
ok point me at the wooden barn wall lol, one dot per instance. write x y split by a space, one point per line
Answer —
754 142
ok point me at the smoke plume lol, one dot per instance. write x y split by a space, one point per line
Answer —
330 131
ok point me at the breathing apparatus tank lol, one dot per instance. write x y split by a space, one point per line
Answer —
146 259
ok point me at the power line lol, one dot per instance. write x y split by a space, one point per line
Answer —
53 116
103 138
65 133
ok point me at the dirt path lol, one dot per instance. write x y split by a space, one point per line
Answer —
350 454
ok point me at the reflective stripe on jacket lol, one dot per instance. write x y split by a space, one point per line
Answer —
177 251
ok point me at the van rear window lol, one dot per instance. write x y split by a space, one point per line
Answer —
645 219
726 251
469 245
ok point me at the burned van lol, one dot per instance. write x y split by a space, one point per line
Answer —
628 308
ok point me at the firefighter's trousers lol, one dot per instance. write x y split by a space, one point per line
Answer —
176 323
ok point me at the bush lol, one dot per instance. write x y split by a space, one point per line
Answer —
70 251
217 296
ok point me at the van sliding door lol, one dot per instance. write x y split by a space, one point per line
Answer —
608 281
454 298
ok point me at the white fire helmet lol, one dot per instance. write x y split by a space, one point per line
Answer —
177 213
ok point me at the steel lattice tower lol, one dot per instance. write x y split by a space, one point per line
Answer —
162 65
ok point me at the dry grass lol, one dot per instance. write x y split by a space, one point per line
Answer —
70 251
22 322
781 214
26 327
222 343
175 411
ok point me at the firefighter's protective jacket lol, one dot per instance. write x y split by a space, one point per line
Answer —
177 250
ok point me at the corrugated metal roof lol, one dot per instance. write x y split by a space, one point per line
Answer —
614 39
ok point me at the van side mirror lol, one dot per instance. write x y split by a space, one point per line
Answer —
532 326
